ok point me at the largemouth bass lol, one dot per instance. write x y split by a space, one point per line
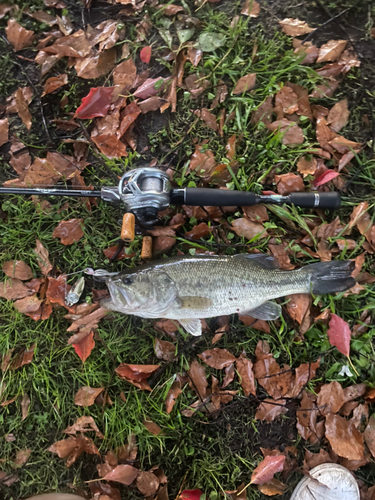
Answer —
191 288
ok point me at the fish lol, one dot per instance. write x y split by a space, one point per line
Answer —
191 288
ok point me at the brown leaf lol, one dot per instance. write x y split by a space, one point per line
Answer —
338 116
345 440
257 324
25 403
354 391
165 350
170 10
147 483
314 459
245 83
136 374
73 447
13 289
86 395
54 83
17 269
369 436
286 102
18 36
263 112
96 65
267 469
308 50
172 395
245 371
4 131
343 145
289 183
199 231
292 133
217 358
270 376
110 146
69 231
208 118
298 308
307 416
295 27
331 50
151 104
198 381
84 347
74 45
84 424
327 89
5 8
250 8
256 213
229 375
273 487
152 427
151 87
280 252
24 357
303 102
269 409
304 373
57 290
22 457
23 109
247 229
202 162
28 305
307 166
42 257
360 416
330 398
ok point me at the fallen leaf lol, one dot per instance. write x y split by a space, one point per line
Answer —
264 112
270 376
339 334
73 447
124 76
69 231
307 166
303 102
369 435
84 347
247 229
170 9
130 114
229 374
14 289
286 102
190 495
96 65
17 269
344 438
203 162
330 398
217 358
295 27
152 427
164 350
198 381
4 131
22 457
199 231
24 357
25 404
172 395
145 54
256 213
289 183
110 146
250 8
18 36
343 145
361 218
360 416
245 371
245 83
331 50
27 305
54 83
209 118
151 104
147 483
23 109
269 409
5 8
84 424
136 374
105 491
273 487
42 257
96 103
267 469
326 176
292 133
298 306
86 395
151 87
57 290
314 459
338 115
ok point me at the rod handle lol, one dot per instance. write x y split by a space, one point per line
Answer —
218 197
146 252
128 227
330 200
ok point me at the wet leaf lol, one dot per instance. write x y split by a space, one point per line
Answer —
273 487
22 457
247 229
74 45
151 87
338 116
263 112
5 8
217 358
170 9
151 104
198 381
28 305
42 257
344 438
229 374
165 350
250 8
124 76
172 395
130 114
96 103
307 166
136 374
209 118
361 218
190 495
69 231
203 162
73 447
147 483
84 347
24 357
152 427
314 459
330 398
276 381
267 469
199 231
256 213
269 409
23 109
110 146
369 436
25 404
331 50
299 306
209 41
292 133
245 371
339 334
245 83
145 54
18 36
286 102
96 65
57 290
84 424
4 131
289 183
86 395
343 146
14 289
54 83
326 176
162 244
17 269
295 27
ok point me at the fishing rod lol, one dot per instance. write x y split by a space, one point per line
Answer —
146 191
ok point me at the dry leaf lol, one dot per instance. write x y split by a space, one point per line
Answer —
124 76
73 447
338 116
165 350
23 109
22 457
74 45
298 306
198 381
69 231
343 146
292 133
289 183
344 438
172 395
28 305
54 83
217 358
43 258
96 65
208 118
276 381
269 409
369 436
250 8
14 289
17 269
152 427
4 131
86 395
303 102
147 483
25 403
263 112
84 424
307 167
267 469
314 459
24 357
339 334
229 373
245 371
110 146
331 50
136 374
245 83
286 102
84 347
18 36
330 398
273 487
247 229
203 162
295 27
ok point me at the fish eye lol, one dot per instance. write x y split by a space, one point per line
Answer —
127 280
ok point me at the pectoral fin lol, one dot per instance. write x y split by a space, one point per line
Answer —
192 326
266 311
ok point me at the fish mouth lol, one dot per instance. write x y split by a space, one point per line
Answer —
119 295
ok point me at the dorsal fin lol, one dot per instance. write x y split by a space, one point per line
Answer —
261 259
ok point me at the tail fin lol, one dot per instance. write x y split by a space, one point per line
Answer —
330 277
